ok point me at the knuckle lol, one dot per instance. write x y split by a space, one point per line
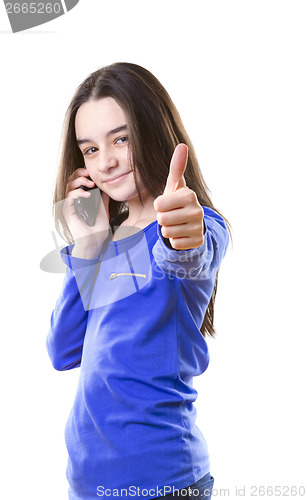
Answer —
157 204
69 186
191 196
73 176
161 219
199 214
196 213
199 238
165 232
177 246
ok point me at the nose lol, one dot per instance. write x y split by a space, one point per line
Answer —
106 160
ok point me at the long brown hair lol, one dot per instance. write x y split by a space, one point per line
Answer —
154 129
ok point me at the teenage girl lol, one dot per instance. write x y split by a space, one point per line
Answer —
138 295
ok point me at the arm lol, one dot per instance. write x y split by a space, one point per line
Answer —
69 318
197 263
198 236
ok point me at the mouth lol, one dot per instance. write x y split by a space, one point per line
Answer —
117 179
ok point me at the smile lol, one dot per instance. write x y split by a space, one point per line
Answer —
115 180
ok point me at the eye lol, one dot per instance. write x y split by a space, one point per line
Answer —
87 151
122 140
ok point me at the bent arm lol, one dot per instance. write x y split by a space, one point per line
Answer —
69 318
199 263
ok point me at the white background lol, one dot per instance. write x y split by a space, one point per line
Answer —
236 71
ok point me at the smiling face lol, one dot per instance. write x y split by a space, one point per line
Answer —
102 135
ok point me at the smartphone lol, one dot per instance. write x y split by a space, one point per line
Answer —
87 207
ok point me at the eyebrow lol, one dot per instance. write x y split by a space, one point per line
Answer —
111 132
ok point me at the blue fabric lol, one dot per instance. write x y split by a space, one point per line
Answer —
201 490
131 320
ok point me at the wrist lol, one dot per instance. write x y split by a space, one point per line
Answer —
83 251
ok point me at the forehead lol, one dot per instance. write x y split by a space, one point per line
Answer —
99 116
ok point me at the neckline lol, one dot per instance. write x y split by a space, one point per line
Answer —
132 236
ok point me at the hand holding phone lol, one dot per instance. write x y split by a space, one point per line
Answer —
88 218
87 207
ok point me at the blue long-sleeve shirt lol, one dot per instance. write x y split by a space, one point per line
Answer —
131 320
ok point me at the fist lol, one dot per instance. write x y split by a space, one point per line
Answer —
179 213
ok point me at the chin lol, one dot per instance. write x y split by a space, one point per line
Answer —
121 195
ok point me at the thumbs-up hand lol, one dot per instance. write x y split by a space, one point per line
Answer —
178 211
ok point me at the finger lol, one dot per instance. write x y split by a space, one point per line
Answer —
177 199
102 222
78 193
174 217
69 208
78 182
178 231
175 179
184 230
181 243
78 172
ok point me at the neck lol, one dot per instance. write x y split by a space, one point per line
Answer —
137 212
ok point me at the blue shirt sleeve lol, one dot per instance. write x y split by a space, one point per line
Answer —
199 263
85 272
69 318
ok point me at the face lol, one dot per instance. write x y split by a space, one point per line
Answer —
102 135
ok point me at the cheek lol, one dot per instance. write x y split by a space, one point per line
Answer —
92 172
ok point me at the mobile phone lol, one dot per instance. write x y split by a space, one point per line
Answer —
87 207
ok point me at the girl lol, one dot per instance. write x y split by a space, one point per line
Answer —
138 295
